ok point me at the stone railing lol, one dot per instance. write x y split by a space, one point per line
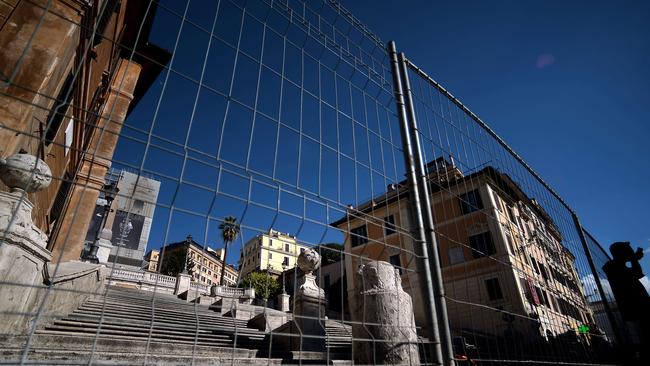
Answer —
160 279
141 280
202 288
122 274
228 291
150 281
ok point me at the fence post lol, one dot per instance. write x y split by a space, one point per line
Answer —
417 221
599 286
426 207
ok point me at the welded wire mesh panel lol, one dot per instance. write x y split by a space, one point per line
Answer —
517 279
227 184
206 182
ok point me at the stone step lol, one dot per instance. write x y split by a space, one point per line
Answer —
73 341
147 306
108 326
161 323
160 317
65 357
188 317
74 330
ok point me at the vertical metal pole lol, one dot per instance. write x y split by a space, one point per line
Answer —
599 286
430 236
417 222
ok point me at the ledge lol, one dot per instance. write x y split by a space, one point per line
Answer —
68 271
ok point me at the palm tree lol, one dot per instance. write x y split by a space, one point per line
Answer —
229 231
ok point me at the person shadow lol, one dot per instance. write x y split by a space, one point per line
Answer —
624 274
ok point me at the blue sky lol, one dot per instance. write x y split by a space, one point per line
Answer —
564 83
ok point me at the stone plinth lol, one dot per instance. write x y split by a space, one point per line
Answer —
269 320
104 246
306 332
183 281
283 302
383 313
22 245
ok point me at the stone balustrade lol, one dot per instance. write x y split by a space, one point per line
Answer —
151 281
202 288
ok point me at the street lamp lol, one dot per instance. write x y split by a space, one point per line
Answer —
284 274
110 192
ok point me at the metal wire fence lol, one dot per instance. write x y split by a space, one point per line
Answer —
266 182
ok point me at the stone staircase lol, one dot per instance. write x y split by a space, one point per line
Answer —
134 327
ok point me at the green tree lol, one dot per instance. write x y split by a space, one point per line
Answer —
229 231
330 252
265 286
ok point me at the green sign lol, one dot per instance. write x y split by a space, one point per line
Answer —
583 329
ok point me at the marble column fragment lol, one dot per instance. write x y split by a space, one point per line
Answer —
384 326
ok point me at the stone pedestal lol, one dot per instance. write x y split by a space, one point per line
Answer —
104 246
22 258
383 313
283 302
22 245
306 332
269 320
183 281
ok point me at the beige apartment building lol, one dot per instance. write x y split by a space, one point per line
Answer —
207 262
501 254
273 252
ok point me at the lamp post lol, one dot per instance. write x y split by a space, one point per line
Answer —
110 192
284 273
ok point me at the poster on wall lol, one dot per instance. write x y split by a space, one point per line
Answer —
127 229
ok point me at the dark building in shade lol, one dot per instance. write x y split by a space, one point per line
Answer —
207 262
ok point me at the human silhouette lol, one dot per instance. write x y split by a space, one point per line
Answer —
624 273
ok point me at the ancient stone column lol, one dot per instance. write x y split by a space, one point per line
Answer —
22 244
97 160
383 326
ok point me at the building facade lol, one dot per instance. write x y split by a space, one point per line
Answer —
273 251
207 263
64 95
499 249
130 219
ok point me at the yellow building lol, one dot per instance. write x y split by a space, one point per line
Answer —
207 262
272 251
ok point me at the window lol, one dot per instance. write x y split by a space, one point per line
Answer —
456 255
482 245
69 132
57 114
285 261
511 215
470 202
509 242
389 225
270 255
494 289
138 205
286 248
395 261
359 235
